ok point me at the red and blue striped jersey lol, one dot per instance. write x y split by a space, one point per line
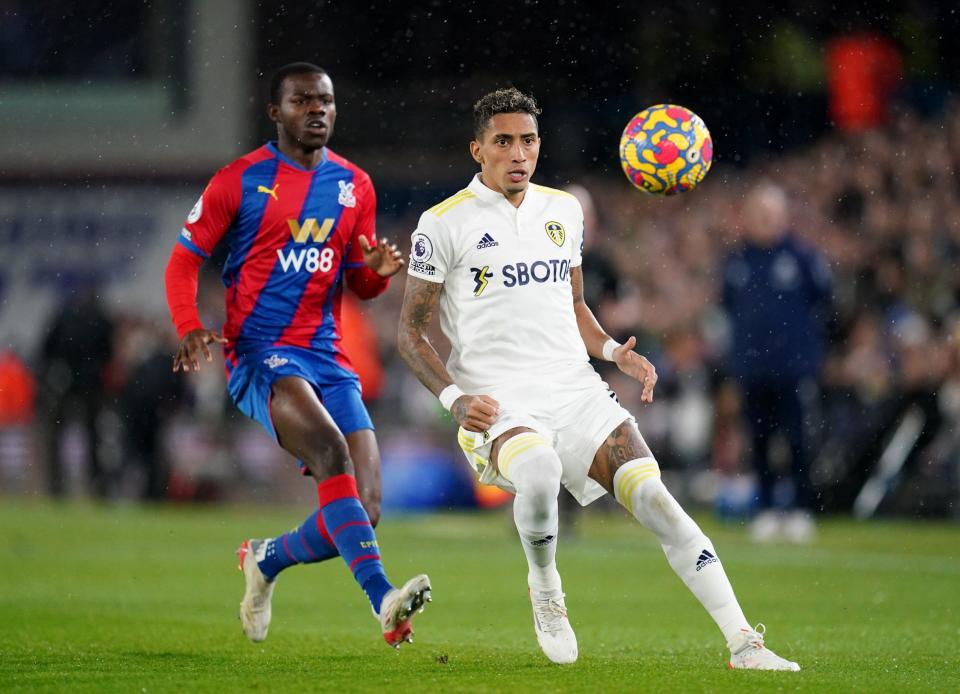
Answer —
292 234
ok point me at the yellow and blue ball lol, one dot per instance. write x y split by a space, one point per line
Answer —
666 149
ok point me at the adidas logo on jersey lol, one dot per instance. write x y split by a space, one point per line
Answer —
487 242
706 558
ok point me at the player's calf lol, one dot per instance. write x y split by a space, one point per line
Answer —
689 552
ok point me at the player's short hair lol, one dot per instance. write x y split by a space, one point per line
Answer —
510 100
301 68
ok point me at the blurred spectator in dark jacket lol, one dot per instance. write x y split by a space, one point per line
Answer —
151 396
775 293
77 349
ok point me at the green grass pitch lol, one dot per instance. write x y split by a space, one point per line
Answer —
145 600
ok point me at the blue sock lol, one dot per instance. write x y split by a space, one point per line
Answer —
349 527
305 545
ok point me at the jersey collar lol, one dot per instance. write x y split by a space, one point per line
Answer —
272 146
481 191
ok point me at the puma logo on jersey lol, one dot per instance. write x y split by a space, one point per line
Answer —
272 192
481 275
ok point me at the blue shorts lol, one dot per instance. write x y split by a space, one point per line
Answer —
251 375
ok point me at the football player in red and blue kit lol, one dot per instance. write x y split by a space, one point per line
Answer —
299 223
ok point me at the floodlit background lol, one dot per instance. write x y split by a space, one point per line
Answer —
115 114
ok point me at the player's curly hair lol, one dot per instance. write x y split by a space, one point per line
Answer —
301 68
510 100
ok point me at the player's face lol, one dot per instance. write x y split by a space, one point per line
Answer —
507 152
306 111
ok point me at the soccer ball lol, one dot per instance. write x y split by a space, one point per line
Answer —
666 149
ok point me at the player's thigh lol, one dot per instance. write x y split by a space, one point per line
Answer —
365 455
305 429
623 444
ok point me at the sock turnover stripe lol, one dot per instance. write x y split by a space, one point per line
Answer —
636 483
626 483
622 478
525 440
341 486
508 454
515 446
631 479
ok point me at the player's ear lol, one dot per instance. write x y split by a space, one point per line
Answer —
475 151
273 112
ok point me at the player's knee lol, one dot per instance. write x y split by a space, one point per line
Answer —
536 475
328 456
544 476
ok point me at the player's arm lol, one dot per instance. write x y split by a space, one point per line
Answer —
420 299
205 226
181 279
601 346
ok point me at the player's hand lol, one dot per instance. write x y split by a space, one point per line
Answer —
636 366
475 412
193 346
384 258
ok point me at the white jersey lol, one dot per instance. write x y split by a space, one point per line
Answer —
506 305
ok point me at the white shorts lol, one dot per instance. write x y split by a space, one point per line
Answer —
575 413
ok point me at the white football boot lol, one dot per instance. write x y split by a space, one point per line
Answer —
747 652
554 633
398 607
255 607
766 527
799 527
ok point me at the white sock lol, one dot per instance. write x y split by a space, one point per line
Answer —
690 553
534 469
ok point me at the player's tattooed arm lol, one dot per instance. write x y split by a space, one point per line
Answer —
420 299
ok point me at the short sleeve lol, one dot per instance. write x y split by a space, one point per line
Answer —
366 225
430 249
212 214
576 238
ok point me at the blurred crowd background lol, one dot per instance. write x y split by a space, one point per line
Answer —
117 113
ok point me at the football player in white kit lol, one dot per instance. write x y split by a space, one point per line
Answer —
501 258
